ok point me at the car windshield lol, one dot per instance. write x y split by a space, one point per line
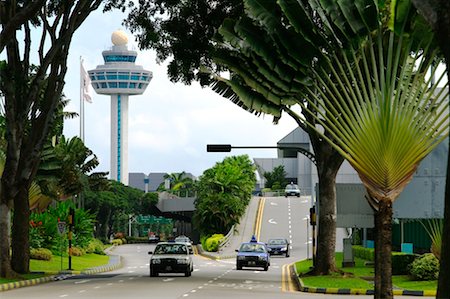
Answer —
171 249
291 187
277 242
252 248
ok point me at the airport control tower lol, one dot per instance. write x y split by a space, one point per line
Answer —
120 78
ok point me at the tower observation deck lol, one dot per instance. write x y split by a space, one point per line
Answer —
119 78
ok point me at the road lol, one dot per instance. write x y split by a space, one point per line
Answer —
280 217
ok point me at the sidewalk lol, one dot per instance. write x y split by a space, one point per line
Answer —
114 262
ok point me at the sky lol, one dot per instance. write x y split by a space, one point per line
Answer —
171 123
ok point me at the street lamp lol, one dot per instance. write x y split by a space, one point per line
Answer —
226 148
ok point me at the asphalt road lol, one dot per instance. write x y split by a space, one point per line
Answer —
280 217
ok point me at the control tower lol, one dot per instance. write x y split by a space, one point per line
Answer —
119 78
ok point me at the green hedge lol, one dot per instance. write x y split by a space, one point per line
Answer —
136 240
43 254
211 244
400 260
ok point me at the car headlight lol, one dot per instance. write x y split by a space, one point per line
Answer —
182 261
262 258
241 257
156 261
284 248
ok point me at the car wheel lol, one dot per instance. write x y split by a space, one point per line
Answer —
266 267
238 266
187 273
153 273
287 254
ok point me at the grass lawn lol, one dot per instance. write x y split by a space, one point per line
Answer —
78 263
352 277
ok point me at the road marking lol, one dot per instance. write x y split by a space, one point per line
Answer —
290 232
97 287
185 295
273 204
271 221
304 201
81 291
62 296
290 227
121 280
193 291
168 279
82 281
109 284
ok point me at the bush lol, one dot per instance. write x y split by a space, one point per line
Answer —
77 251
43 254
136 240
117 242
401 262
212 243
95 246
367 254
425 267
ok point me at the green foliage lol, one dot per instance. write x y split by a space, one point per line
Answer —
77 251
276 179
44 227
400 260
43 254
367 254
425 267
95 246
211 244
223 193
435 228
117 242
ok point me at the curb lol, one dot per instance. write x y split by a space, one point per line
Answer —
115 262
213 256
337 291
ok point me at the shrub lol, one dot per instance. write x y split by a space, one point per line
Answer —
43 254
95 246
117 242
135 240
212 243
425 267
367 254
77 251
401 262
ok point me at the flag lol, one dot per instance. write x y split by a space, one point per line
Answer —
86 90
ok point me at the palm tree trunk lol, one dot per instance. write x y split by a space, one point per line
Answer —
5 230
326 235
383 249
20 261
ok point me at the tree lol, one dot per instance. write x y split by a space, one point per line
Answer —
277 178
189 34
386 122
437 14
31 97
223 193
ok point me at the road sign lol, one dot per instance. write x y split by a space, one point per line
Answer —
61 227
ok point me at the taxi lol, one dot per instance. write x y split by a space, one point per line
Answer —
252 254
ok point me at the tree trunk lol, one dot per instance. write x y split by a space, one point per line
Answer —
20 261
383 249
5 230
326 235
443 289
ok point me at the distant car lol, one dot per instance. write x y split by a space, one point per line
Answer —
171 257
153 238
292 190
183 239
252 254
278 246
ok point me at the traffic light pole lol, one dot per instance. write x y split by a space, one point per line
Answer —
71 223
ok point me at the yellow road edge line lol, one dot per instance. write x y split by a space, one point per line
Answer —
283 272
258 232
290 283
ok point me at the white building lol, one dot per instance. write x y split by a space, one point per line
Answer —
119 78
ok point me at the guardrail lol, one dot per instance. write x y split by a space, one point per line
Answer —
226 240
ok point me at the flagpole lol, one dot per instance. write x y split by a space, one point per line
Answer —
81 102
